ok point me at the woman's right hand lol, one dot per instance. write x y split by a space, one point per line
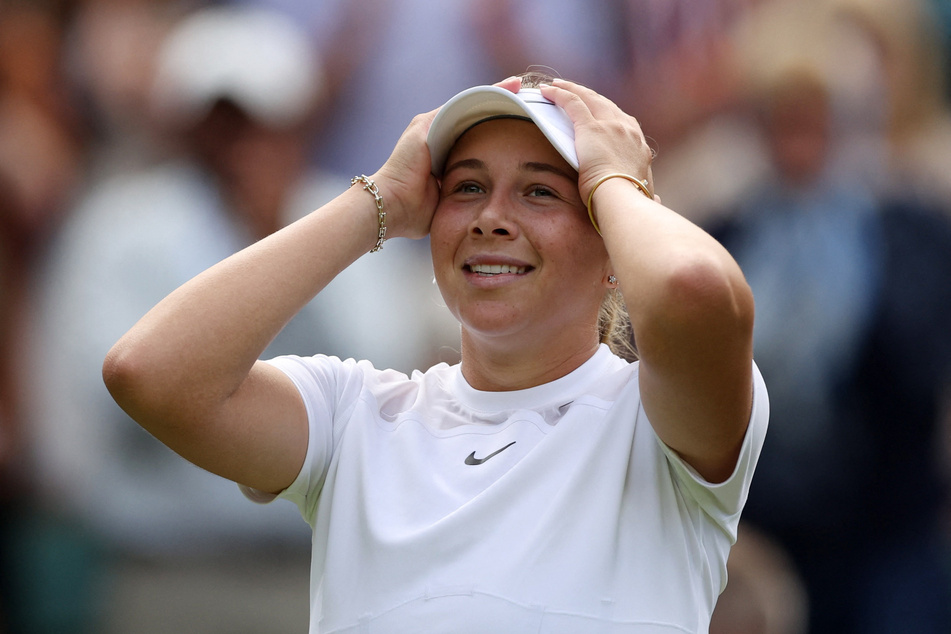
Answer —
410 191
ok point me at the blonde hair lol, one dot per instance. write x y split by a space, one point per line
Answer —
535 76
614 326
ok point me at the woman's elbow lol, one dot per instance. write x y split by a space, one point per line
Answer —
129 376
711 289
119 373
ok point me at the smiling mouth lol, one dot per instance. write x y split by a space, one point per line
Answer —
496 269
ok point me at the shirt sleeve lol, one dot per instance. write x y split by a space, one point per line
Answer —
725 501
329 389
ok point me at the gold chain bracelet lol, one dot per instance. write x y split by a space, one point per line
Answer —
371 187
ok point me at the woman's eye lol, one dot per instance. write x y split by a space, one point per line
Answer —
468 187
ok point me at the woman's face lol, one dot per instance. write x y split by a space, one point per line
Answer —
514 252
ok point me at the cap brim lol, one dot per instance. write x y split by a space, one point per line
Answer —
485 102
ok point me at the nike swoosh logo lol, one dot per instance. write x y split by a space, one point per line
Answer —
471 459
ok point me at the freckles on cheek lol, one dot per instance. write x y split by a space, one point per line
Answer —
441 246
448 227
446 220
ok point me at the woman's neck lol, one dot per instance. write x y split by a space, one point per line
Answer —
494 367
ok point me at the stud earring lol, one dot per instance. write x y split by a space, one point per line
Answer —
612 279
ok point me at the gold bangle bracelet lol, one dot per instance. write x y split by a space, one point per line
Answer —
641 185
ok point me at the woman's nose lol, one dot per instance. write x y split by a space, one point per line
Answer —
496 219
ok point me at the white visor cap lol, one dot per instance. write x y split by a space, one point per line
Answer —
478 104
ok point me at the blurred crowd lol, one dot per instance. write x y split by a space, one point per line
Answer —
141 141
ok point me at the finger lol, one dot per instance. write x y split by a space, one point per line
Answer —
513 83
572 104
600 106
579 89
426 118
420 124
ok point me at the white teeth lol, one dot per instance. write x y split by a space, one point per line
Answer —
496 269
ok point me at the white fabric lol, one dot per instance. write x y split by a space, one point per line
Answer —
583 522
484 102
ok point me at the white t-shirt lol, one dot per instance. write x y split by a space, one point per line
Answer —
436 507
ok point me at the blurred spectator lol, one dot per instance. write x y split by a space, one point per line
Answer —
110 54
39 128
677 71
764 594
40 142
853 292
899 67
234 93
681 79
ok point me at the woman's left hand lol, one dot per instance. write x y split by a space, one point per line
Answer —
607 139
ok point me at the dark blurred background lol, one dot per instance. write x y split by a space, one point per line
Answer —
143 140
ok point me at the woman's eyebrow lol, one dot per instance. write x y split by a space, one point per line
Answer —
469 163
533 166
529 166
